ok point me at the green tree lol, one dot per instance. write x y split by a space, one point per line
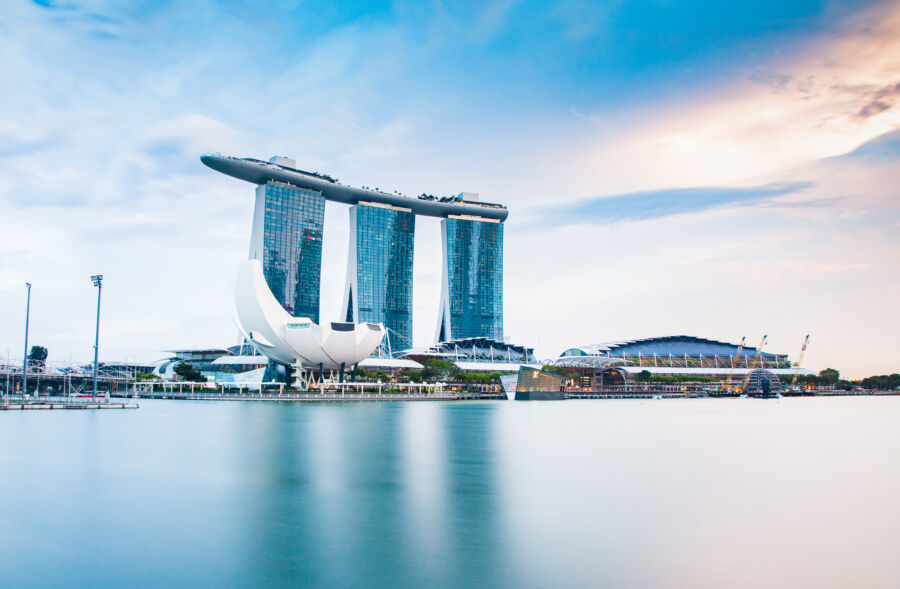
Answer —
187 372
436 369
37 358
884 382
829 376
845 385
644 376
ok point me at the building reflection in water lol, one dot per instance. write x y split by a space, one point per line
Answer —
345 495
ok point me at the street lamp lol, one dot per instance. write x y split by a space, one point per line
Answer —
25 357
97 279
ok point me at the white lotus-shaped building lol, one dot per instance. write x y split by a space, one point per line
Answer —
297 341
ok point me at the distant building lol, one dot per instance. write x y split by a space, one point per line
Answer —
478 354
221 365
681 355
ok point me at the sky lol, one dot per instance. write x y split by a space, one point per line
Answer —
694 167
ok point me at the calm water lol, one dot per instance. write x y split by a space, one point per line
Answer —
681 493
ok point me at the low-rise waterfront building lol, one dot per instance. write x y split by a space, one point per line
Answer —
478 354
238 363
680 357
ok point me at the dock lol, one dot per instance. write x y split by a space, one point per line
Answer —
646 394
51 406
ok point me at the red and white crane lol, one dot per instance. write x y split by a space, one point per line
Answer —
799 361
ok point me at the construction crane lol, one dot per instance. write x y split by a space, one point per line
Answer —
753 363
738 355
799 361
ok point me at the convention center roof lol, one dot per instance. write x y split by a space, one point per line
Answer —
677 345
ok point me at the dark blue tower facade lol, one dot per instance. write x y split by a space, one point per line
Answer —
380 271
472 293
287 237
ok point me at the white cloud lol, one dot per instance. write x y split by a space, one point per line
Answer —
779 117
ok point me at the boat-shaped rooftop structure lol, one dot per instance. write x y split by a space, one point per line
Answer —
261 172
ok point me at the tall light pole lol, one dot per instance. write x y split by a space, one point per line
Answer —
25 357
8 369
98 282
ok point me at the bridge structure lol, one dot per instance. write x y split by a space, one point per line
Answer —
64 379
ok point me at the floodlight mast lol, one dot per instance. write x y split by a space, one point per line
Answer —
25 356
8 370
97 280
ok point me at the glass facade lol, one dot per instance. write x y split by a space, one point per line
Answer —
473 264
531 380
380 284
292 247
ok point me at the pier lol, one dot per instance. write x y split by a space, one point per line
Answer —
19 405
635 394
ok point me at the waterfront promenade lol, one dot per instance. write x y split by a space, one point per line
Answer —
333 396
70 392
348 394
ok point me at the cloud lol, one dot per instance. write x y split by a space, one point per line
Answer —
882 149
97 24
582 19
18 139
655 204
838 93
176 143
883 99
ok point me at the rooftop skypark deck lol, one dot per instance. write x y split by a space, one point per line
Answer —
260 172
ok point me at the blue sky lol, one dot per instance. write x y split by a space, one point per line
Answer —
671 167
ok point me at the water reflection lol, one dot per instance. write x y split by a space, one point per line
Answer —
477 551
341 495
561 494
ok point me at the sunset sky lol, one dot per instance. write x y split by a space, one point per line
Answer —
697 167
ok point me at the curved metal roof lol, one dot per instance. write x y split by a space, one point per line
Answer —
587 361
260 172
677 345
476 349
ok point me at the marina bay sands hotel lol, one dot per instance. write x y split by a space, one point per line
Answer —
287 232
